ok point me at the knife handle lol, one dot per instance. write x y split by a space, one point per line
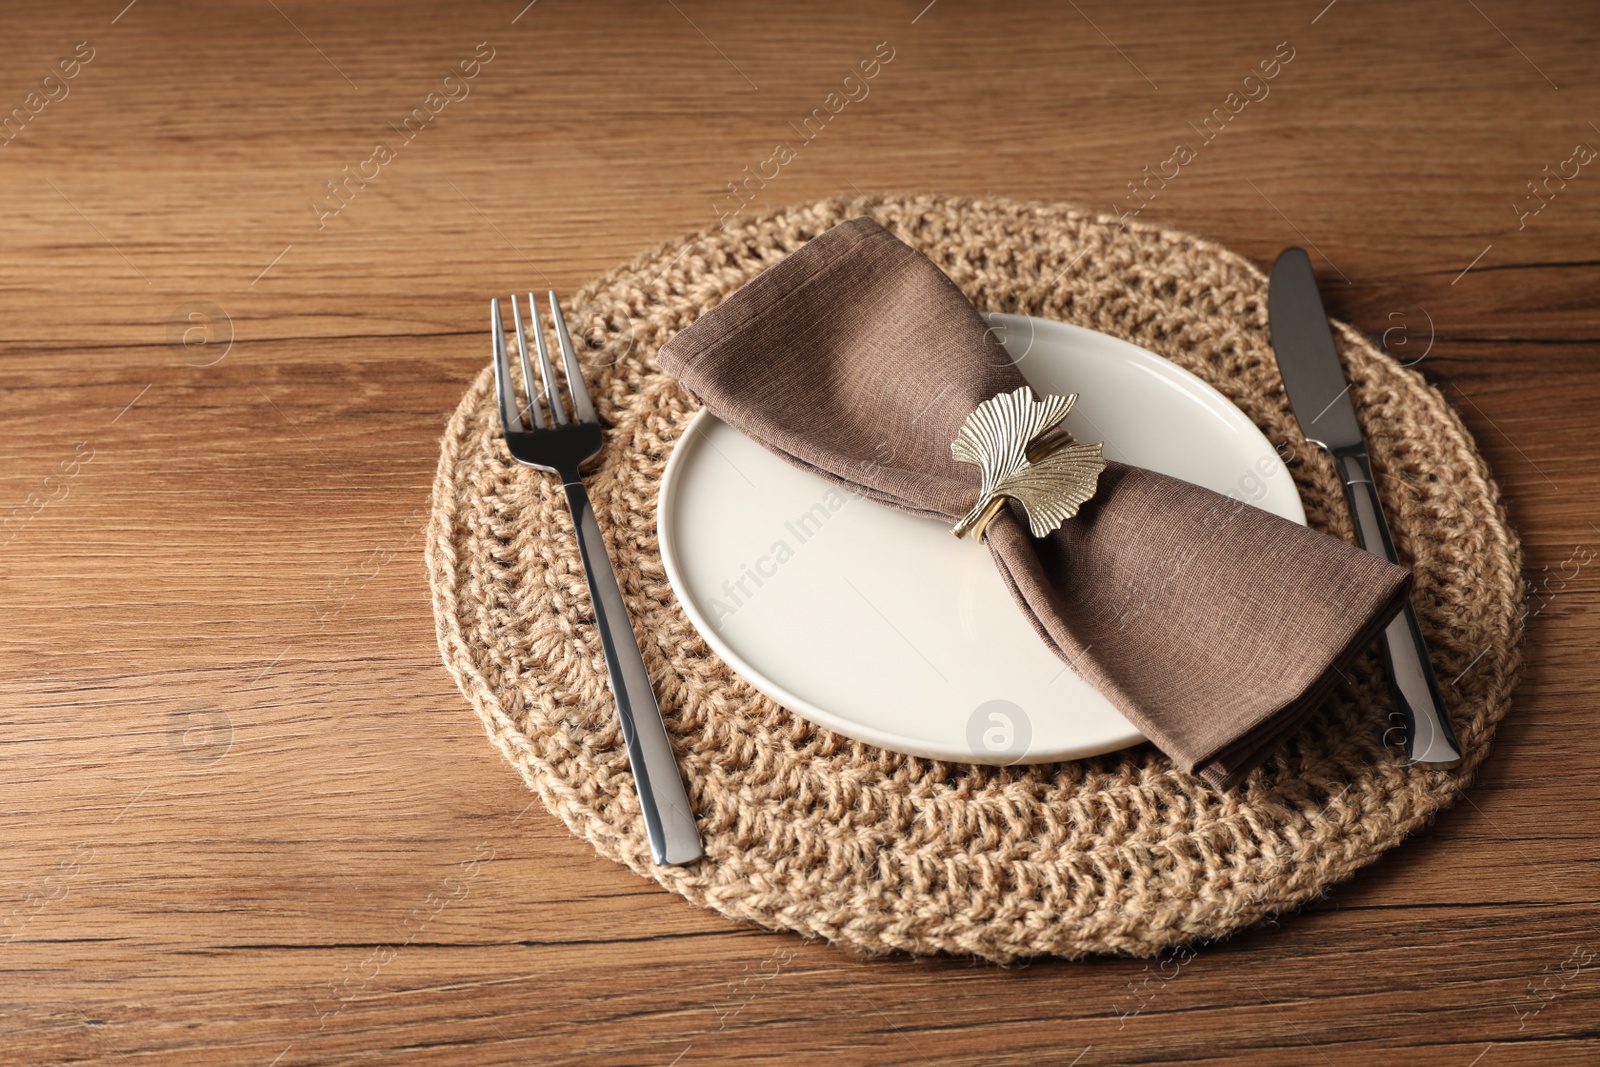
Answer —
1429 738
1372 532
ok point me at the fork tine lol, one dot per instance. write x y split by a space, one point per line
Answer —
534 412
505 390
552 396
582 410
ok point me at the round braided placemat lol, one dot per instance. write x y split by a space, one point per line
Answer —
809 831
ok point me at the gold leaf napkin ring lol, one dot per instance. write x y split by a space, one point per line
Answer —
1016 444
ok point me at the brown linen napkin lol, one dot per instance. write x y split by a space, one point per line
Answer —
1216 628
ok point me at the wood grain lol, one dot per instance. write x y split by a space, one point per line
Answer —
237 777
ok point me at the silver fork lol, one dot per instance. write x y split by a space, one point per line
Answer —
562 445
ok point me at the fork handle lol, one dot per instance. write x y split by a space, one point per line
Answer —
668 818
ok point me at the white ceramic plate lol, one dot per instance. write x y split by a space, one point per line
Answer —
884 627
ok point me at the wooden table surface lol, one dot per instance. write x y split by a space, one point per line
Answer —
236 774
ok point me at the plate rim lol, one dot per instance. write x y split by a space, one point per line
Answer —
797 704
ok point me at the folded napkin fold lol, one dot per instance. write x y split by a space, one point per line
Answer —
1216 628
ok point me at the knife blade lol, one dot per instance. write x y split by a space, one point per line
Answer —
1319 394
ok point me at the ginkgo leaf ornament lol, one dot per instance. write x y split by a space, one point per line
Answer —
996 438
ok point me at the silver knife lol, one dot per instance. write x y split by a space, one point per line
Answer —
1320 397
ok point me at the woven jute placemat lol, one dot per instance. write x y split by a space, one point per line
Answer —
809 831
